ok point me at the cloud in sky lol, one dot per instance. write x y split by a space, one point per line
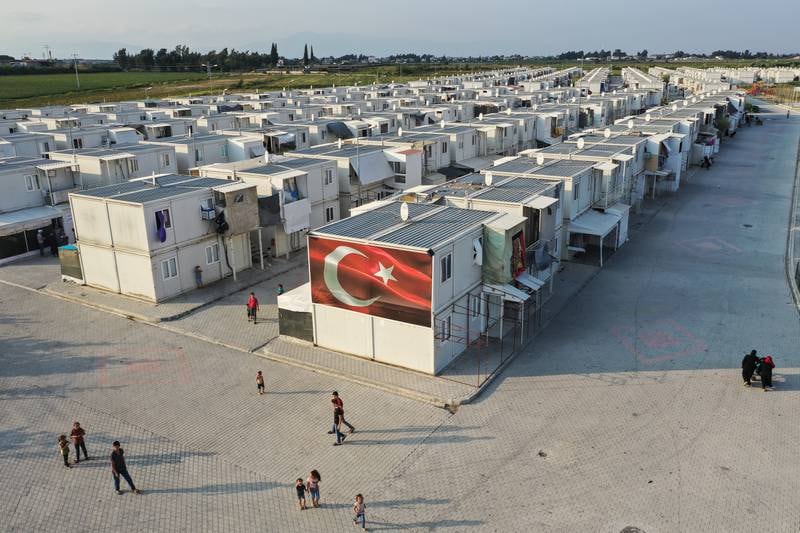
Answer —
94 28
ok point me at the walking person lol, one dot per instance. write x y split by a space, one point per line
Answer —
749 362
252 307
359 509
40 242
119 468
63 447
280 289
300 487
336 429
767 364
338 407
77 434
260 382
198 276
312 484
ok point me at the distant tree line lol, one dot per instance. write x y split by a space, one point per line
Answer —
573 55
183 58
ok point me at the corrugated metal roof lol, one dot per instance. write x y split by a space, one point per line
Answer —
143 191
332 150
515 190
365 225
436 228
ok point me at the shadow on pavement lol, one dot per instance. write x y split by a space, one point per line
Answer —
218 488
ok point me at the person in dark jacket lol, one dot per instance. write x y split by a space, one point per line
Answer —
749 366
767 364
120 469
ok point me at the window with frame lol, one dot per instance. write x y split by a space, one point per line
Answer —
223 150
165 219
134 165
212 254
476 305
32 182
328 176
77 143
576 190
473 140
329 214
198 155
460 144
444 148
164 160
169 268
45 145
446 266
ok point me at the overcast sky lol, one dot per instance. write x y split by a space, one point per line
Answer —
95 29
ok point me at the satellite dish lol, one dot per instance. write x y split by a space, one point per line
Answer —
647 117
508 111
404 211
630 124
399 132
607 133
685 103
487 179
480 117
534 107
674 107
540 159
574 100
581 143
588 96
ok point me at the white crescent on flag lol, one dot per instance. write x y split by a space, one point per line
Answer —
331 276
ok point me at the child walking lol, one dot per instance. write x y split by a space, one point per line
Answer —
63 447
359 508
260 382
300 487
312 484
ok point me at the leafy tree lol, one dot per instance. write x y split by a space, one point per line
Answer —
147 58
121 58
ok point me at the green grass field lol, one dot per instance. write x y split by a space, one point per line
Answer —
59 86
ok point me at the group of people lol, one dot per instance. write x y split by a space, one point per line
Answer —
118 467
753 365
311 486
78 440
51 240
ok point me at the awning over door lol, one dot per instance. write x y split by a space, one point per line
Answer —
371 167
508 292
529 281
27 219
542 202
594 223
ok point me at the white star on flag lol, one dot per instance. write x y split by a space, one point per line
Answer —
385 274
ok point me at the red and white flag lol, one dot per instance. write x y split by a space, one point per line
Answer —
374 280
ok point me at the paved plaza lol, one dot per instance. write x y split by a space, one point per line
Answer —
627 410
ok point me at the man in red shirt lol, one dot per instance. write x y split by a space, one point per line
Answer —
252 307
77 434
338 413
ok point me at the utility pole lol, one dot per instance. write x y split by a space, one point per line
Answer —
77 78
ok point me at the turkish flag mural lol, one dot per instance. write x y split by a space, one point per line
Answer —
369 279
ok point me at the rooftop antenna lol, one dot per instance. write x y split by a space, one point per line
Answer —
404 211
